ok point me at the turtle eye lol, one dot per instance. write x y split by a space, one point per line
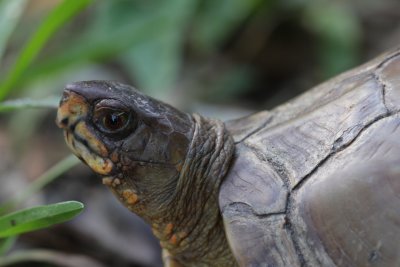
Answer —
110 119
114 120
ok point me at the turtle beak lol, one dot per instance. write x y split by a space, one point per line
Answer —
72 108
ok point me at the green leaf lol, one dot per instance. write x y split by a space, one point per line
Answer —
57 17
11 105
39 217
10 12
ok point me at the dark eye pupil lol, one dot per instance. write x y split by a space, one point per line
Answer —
114 121
112 118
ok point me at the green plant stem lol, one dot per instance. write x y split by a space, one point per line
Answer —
17 104
47 177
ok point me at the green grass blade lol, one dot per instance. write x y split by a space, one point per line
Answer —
17 104
47 177
93 48
6 244
39 217
57 17
10 12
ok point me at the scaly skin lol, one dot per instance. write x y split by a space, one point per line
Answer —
164 165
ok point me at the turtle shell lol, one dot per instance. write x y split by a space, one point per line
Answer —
316 181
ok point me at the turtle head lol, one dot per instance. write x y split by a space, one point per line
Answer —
137 144
162 164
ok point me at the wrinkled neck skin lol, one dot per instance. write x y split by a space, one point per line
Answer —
185 214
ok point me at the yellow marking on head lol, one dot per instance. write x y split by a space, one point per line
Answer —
100 165
84 132
107 181
111 182
74 107
130 196
116 182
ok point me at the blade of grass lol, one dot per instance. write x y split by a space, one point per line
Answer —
17 104
57 17
54 172
38 217
6 244
94 48
10 12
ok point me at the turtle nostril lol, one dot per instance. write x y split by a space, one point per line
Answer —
64 122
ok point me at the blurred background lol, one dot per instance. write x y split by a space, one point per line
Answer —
224 58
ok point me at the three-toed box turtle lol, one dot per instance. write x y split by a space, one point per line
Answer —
313 182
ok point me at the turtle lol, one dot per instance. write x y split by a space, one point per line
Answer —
312 182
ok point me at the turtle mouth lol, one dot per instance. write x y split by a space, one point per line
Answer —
81 140
100 165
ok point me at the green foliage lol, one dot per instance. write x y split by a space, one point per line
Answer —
47 177
10 12
157 60
98 44
339 33
59 16
39 217
216 20
149 40
6 244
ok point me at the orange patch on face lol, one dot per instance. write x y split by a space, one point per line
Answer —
73 107
173 240
130 196
111 182
114 157
83 131
168 229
